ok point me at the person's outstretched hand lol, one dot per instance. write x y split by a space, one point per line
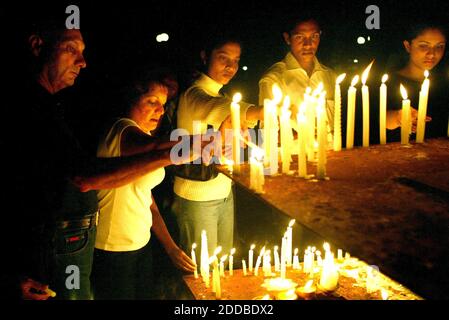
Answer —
181 260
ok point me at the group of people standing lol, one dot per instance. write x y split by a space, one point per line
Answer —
98 213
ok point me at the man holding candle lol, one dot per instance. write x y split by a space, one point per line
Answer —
300 68
425 45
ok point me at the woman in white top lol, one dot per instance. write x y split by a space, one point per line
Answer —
203 200
128 214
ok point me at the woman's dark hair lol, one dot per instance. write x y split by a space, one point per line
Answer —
416 29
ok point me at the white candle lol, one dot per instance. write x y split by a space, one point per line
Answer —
405 119
231 262
322 137
365 100
310 124
283 257
422 109
267 106
302 138
351 113
217 280
286 138
257 178
337 112
296 260
340 255
204 267
289 234
329 274
256 269
244 267
383 110
319 260
277 266
251 257
195 272
235 118
222 268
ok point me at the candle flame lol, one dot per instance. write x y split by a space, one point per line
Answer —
217 250
262 251
384 78
355 80
308 284
257 153
384 294
403 92
253 246
318 253
313 249
232 251
340 78
286 104
276 248
193 246
223 258
296 251
318 89
326 246
366 72
277 93
237 97
292 222
266 297
426 73
308 90
203 233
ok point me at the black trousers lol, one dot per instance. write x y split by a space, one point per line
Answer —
123 275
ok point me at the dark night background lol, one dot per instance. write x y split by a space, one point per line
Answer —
121 38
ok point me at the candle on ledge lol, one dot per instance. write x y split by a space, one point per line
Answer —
302 139
337 112
383 110
365 101
256 269
267 107
405 117
322 137
310 124
277 265
222 268
244 267
283 256
308 291
319 260
422 109
286 135
231 262
296 265
289 234
251 257
204 266
257 178
274 130
195 272
235 118
351 113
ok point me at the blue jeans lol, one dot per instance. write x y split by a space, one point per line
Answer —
216 217
74 248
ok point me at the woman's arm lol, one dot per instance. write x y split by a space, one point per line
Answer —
179 258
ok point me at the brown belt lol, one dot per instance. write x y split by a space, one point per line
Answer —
82 223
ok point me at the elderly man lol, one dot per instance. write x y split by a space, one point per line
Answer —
54 181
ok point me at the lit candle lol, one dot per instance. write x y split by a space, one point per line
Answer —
329 274
302 138
337 113
290 242
256 269
222 261
422 109
283 256
216 287
235 118
339 255
296 260
244 267
405 119
195 273
277 266
319 260
310 116
204 267
267 106
231 262
365 100
257 178
322 137
251 257
274 127
383 110
308 291
351 113
286 136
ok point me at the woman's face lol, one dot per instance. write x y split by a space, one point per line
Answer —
427 49
224 62
150 107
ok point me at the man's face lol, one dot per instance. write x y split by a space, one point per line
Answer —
66 60
224 62
304 40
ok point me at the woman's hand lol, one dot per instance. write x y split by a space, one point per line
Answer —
181 260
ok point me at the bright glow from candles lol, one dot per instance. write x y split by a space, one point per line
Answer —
318 89
366 72
356 61
340 78
237 97
403 92
291 223
308 285
384 294
360 40
326 247
217 250
223 258
194 246
384 78
232 251
296 251
355 80
426 73
244 68
277 94
308 90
